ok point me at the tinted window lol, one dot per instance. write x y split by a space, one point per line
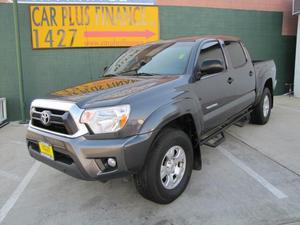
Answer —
211 50
236 53
161 58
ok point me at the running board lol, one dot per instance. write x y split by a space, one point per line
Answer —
3 124
215 141
243 121
206 139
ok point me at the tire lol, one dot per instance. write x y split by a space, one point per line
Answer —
149 182
259 115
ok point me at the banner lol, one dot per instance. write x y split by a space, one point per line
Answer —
69 26
111 2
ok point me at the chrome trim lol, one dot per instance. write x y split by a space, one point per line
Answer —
45 117
71 107
211 75
173 167
33 111
266 106
212 106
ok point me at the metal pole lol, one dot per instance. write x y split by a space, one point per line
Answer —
297 66
19 61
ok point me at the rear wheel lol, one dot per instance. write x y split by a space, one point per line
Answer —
262 111
168 167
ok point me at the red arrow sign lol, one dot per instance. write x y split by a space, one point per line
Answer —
145 33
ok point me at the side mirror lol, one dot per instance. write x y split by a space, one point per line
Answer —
105 68
211 66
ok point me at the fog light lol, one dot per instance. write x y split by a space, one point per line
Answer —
111 162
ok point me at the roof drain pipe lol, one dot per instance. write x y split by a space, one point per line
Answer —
19 61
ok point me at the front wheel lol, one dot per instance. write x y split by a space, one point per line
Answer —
168 167
262 111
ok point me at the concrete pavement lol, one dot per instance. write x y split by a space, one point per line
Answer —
280 138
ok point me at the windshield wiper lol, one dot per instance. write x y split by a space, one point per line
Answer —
129 71
110 75
137 74
146 74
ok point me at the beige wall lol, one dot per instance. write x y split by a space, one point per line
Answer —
289 26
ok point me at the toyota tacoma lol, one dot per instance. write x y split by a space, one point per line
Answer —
151 111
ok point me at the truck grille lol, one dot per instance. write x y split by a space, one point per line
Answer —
56 120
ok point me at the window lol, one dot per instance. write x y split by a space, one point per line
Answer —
211 50
236 53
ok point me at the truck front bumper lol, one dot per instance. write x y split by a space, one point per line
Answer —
87 159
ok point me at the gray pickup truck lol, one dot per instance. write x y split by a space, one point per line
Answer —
151 111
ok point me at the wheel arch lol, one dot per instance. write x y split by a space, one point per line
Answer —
268 83
186 123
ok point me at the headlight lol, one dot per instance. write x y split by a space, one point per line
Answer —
106 120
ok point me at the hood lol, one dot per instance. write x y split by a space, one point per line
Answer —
109 91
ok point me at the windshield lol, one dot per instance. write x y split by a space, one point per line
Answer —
154 59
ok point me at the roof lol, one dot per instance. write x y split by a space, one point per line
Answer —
202 37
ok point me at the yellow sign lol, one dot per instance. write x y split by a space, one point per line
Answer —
69 26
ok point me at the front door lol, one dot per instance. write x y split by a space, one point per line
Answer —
213 90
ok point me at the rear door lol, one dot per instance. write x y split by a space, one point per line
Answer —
213 90
242 73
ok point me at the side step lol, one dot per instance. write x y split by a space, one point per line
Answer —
243 121
216 136
4 123
215 141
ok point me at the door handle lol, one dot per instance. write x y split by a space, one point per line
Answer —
230 80
251 73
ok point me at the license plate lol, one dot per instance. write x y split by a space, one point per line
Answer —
46 150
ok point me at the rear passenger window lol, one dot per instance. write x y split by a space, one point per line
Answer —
236 53
211 50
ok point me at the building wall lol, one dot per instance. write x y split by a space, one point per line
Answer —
8 70
48 70
289 22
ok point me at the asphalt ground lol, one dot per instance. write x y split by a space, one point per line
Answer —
251 178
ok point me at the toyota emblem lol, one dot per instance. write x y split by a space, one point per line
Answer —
45 117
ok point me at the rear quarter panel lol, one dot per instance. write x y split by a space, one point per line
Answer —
264 70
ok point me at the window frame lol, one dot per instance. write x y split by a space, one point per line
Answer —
243 50
196 64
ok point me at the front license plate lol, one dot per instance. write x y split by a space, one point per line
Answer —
46 150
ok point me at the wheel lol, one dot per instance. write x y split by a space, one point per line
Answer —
262 111
168 167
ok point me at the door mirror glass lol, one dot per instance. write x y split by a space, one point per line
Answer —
211 66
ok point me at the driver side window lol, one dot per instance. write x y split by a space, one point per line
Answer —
211 51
